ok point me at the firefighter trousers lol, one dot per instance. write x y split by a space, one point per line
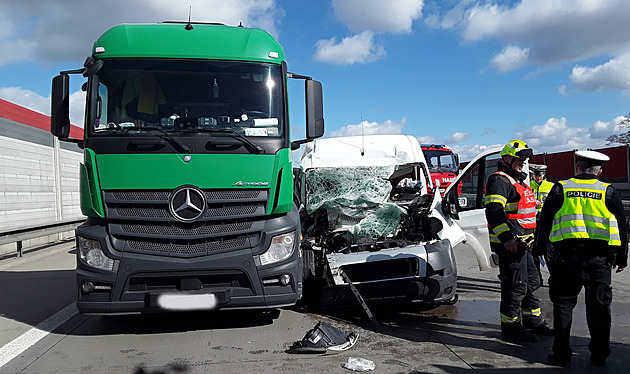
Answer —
567 275
519 279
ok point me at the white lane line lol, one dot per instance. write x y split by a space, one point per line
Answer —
28 339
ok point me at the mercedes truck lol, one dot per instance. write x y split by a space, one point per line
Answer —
186 181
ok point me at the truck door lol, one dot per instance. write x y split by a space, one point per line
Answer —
466 193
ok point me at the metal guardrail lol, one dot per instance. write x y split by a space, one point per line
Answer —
32 232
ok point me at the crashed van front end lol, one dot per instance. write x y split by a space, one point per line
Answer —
374 225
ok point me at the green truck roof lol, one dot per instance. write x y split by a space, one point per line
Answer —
203 41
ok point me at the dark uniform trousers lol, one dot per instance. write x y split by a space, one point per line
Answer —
569 272
519 279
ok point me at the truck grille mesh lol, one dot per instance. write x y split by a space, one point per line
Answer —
140 221
180 250
176 231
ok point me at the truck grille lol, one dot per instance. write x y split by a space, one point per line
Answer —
140 221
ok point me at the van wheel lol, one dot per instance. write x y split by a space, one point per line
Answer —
452 300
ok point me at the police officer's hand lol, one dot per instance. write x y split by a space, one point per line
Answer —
511 246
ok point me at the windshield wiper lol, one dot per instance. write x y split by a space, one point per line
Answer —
236 135
181 146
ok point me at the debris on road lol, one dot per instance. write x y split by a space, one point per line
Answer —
324 338
359 364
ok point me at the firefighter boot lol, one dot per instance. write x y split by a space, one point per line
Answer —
541 328
515 333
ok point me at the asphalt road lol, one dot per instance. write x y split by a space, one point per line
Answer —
40 332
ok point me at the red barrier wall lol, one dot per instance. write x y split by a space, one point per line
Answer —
32 118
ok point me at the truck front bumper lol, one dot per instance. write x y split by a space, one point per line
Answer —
145 283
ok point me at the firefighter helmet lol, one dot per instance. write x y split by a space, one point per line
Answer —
517 148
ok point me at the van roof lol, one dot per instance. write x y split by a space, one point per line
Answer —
368 150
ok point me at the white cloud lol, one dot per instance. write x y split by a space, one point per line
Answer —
562 90
38 103
469 151
427 139
371 128
510 58
26 98
54 31
395 16
359 48
21 50
555 135
457 137
614 74
453 17
552 31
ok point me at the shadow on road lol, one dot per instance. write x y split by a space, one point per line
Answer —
167 323
32 296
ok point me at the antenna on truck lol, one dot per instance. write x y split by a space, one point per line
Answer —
189 25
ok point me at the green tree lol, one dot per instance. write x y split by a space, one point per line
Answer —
623 138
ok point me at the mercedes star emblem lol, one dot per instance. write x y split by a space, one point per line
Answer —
187 203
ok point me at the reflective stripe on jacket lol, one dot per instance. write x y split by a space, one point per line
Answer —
521 212
584 214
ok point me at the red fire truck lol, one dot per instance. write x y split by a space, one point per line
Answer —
443 164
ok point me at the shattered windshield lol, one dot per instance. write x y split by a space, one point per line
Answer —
188 96
355 199
440 161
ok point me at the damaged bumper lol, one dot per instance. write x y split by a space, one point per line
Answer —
425 272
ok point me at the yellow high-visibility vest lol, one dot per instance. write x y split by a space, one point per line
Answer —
584 214
541 190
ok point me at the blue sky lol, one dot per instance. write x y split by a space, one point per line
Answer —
470 74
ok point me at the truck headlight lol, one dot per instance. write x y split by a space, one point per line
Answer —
281 248
91 254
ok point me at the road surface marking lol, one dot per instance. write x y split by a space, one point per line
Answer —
28 339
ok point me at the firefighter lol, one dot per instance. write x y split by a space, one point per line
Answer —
584 220
511 215
541 187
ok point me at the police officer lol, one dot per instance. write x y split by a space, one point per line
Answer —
541 187
539 183
584 220
511 215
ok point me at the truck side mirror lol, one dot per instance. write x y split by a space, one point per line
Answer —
314 109
60 107
450 204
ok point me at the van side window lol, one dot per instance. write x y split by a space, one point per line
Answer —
471 187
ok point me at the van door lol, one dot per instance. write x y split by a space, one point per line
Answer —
467 193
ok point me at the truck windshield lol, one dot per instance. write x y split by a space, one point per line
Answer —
440 161
187 96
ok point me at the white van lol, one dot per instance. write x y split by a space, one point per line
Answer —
367 218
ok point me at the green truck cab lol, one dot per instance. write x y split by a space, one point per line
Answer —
186 181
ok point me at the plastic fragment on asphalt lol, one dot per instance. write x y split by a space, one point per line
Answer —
359 364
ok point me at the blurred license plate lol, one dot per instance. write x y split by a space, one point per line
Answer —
187 301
